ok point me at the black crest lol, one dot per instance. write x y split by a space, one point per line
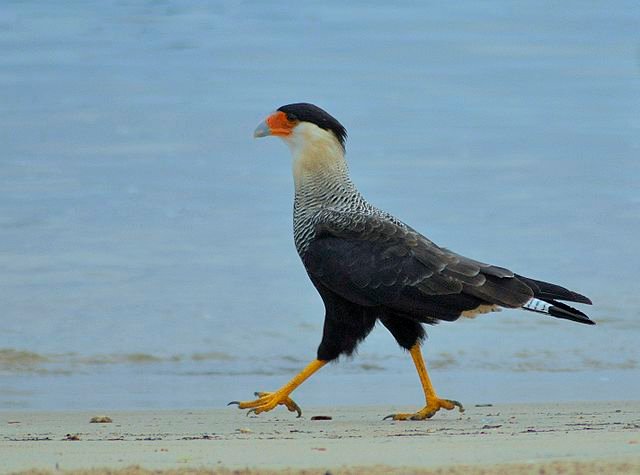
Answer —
310 113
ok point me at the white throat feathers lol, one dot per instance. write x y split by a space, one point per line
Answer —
316 153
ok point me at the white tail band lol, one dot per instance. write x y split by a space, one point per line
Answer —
536 305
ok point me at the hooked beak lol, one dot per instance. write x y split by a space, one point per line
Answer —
262 130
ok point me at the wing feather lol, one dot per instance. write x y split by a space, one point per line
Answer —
373 260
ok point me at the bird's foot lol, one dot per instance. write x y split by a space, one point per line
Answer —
428 411
267 401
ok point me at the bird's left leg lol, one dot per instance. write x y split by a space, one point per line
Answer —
267 401
434 403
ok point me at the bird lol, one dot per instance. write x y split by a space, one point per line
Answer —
369 266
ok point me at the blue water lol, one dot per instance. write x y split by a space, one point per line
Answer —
145 238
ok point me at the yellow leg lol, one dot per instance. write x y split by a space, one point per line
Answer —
268 401
434 403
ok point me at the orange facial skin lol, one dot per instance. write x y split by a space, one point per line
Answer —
279 124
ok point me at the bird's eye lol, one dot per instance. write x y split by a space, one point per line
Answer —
292 117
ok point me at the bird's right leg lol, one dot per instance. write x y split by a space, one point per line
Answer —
434 403
267 401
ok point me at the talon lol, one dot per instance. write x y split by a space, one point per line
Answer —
427 412
237 403
267 401
429 415
398 417
292 406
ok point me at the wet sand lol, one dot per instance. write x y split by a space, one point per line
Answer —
602 437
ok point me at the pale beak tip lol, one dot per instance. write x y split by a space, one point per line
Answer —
262 130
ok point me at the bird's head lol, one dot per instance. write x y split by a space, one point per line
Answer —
301 124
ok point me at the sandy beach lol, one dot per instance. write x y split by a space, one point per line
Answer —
602 437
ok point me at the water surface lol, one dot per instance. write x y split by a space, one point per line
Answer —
145 238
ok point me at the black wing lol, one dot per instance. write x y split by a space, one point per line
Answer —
373 261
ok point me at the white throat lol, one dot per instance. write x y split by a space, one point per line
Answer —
316 153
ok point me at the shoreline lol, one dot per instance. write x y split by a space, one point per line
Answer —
618 467
355 437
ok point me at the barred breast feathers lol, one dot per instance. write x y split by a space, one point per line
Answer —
322 181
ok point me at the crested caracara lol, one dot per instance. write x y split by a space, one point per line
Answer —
369 266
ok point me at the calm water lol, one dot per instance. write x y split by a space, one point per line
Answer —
145 238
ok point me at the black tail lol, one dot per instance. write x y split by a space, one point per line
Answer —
546 300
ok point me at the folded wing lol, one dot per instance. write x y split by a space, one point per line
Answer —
376 261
